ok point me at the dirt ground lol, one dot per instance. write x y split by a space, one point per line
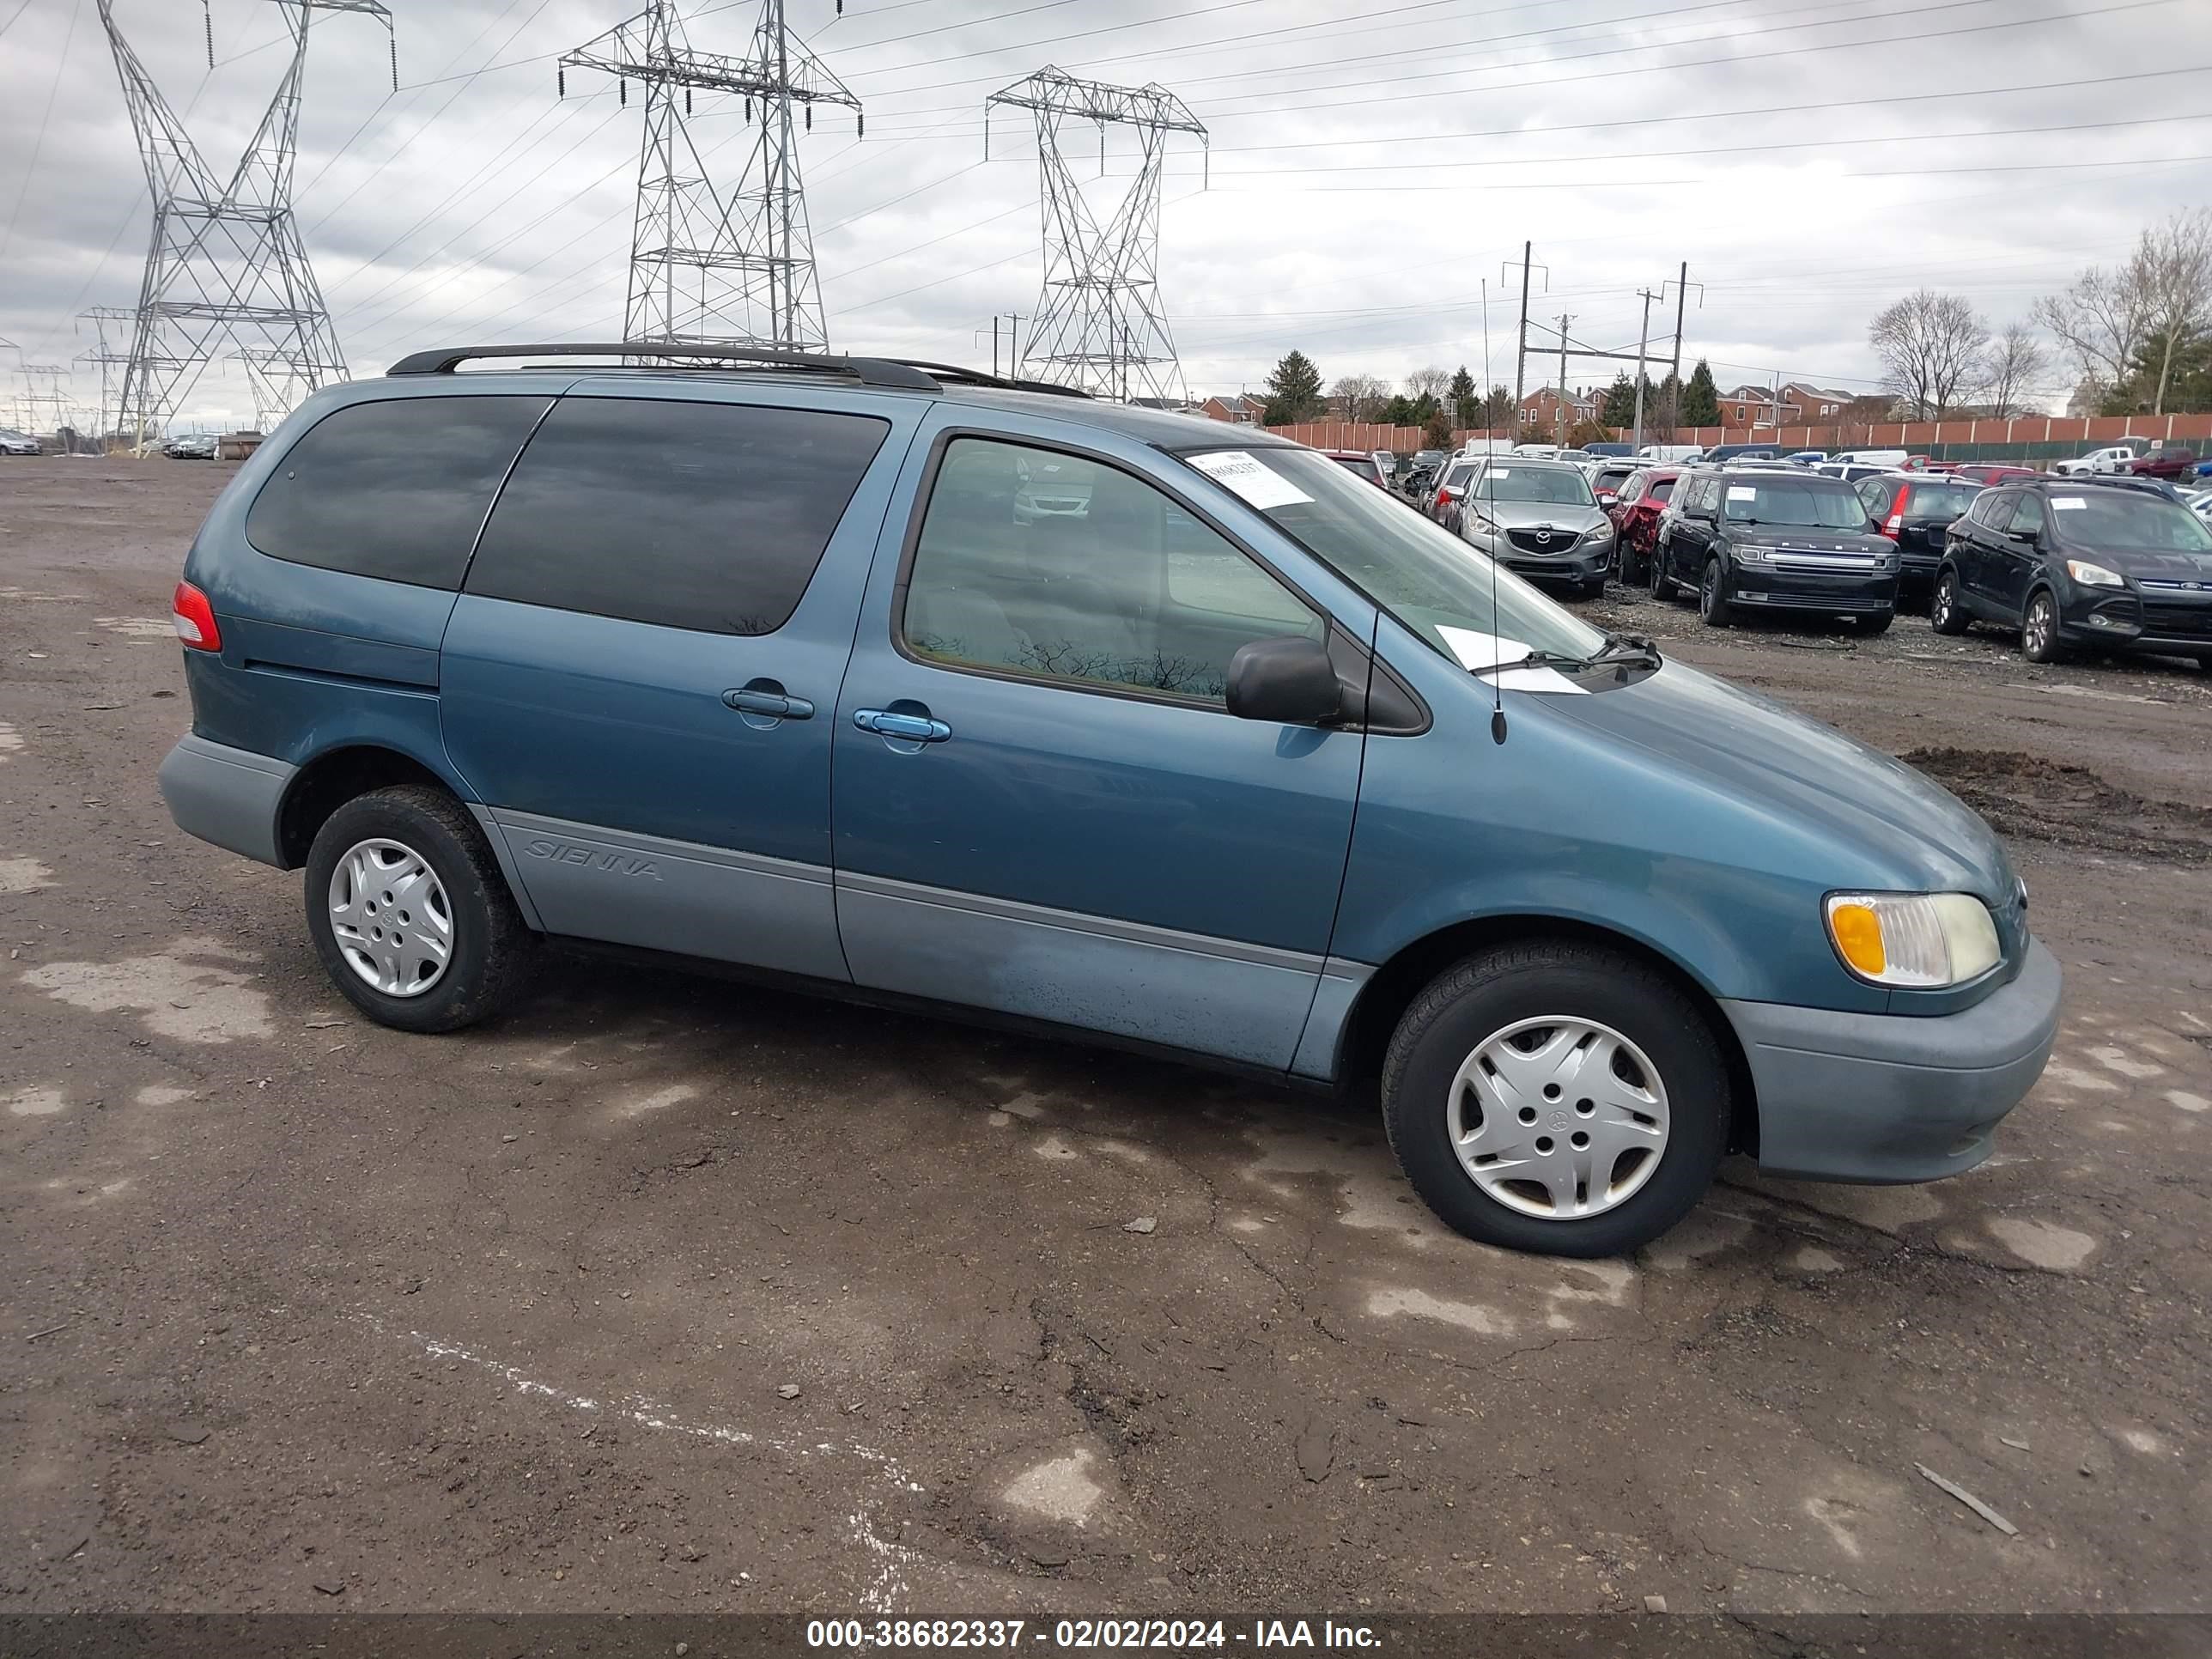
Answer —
664 1294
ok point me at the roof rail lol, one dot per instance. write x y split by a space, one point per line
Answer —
1001 382
868 371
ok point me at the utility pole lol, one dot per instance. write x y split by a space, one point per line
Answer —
225 260
1642 339
1099 317
1682 286
708 266
1561 405
1521 335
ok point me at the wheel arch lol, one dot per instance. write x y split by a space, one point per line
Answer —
1392 988
335 777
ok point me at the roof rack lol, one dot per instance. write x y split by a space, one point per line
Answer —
1001 382
868 371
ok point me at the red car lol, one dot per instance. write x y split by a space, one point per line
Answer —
2164 464
1985 473
1635 518
1360 463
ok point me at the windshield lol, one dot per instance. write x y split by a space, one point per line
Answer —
1943 501
1421 574
2118 517
1505 482
1776 500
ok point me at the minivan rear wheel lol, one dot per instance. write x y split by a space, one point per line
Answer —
410 913
1556 1098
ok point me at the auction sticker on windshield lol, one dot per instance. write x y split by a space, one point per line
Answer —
1260 486
2068 503
1743 492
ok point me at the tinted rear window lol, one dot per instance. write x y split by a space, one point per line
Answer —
1943 501
705 516
1360 467
395 490
1660 489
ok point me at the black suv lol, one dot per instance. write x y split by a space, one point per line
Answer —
1914 510
2104 564
1747 539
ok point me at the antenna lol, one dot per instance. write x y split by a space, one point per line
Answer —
1490 494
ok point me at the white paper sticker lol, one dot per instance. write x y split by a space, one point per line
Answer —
2068 503
1743 492
1501 472
1260 485
1475 649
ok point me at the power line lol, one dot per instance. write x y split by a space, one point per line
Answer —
30 169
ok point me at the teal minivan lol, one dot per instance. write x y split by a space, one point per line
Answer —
916 686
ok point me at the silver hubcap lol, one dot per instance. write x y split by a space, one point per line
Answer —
1558 1117
389 913
2039 624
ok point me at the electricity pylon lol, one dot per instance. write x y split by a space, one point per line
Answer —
226 259
705 266
1100 325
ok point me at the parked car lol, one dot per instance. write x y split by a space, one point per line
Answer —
2113 458
2113 565
1420 480
1636 520
12 442
1720 454
1386 463
1052 486
1890 460
1915 510
1607 477
1985 473
1290 783
1744 541
2168 463
1443 501
1807 457
1852 472
1611 451
1670 454
2199 501
1360 464
1539 520
192 446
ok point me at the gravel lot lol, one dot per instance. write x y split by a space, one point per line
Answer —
664 1294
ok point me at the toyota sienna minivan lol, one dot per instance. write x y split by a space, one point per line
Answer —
770 661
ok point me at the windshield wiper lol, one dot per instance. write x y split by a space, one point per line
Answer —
1618 650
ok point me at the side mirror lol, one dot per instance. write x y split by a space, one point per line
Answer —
1290 681
2026 538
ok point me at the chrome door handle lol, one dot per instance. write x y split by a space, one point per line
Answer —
773 704
916 728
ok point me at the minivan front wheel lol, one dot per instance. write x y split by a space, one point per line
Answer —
410 915
1556 1098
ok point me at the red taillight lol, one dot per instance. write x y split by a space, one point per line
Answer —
194 619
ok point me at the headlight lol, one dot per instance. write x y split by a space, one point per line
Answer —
1750 556
1601 533
1923 940
2093 575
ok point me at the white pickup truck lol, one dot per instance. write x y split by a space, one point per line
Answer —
2114 458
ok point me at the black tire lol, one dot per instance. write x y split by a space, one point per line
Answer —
493 948
2039 628
1662 584
1946 614
1468 1004
1876 623
1712 597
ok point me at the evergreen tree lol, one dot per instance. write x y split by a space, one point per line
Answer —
1398 411
1438 429
1701 398
1619 406
1465 405
1426 409
1294 391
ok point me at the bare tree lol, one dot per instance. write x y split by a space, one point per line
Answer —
1432 381
1362 396
2016 369
2175 261
2101 320
1932 346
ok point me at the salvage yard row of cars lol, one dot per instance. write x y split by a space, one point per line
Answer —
2100 555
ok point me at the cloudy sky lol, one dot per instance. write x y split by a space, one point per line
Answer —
1372 164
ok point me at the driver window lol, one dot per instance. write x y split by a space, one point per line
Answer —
1032 561
2027 514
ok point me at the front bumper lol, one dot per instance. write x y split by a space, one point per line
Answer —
1579 562
1761 587
2174 621
1891 1097
230 797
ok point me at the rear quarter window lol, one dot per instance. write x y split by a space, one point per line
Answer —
396 489
704 516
